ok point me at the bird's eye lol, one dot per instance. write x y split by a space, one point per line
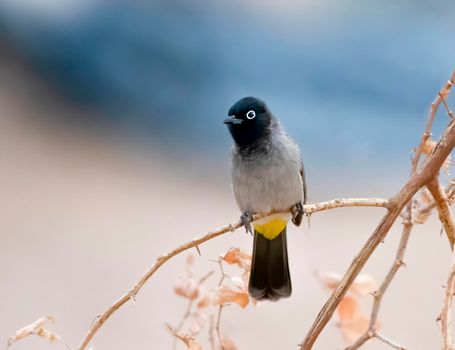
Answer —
251 114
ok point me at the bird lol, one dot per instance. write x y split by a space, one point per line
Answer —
267 176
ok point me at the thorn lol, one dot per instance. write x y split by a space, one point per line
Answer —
133 299
95 319
400 263
198 250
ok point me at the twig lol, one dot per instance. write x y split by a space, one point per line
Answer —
396 204
211 331
309 208
426 210
446 106
217 328
189 307
446 314
346 202
445 215
432 114
389 342
398 262
188 340
183 320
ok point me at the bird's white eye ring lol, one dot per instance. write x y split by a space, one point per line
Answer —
251 114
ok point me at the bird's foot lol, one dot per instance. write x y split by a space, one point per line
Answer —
246 219
297 212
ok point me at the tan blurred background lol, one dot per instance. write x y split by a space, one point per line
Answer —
87 207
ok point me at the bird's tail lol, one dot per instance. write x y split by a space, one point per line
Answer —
269 277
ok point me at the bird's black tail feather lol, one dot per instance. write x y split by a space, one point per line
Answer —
269 277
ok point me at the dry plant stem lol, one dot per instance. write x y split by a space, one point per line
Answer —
396 204
398 262
189 308
182 321
446 314
432 114
345 202
440 199
445 215
446 106
389 342
450 194
211 331
309 208
217 328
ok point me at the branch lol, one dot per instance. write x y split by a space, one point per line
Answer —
429 171
389 342
408 223
445 215
422 214
432 114
194 243
346 202
446 315
372 331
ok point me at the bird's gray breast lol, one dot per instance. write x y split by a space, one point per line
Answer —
269 178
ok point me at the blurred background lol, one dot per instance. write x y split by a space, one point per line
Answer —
113 151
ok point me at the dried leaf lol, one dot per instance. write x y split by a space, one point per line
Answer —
198 322
422 217
190 342
190 259
36 328
330 280
187 287
352 322
204 301
239 282
428 146
348 309
364 284
425 196
226 294
44 333
228 344
238 257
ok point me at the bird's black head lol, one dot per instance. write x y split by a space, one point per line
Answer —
249 120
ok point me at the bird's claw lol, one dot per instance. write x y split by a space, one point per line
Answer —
246 220
297 212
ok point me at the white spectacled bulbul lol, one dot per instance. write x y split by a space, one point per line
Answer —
267 175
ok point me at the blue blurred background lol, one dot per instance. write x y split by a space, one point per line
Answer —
335 72
111 113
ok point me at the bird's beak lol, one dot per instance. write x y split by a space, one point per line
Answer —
233 121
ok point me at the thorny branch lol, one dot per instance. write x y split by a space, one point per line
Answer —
445 215
419 179
395 205
189 308
440 200
378 295
446 314
194 243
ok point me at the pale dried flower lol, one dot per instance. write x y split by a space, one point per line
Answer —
187 287
36 328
